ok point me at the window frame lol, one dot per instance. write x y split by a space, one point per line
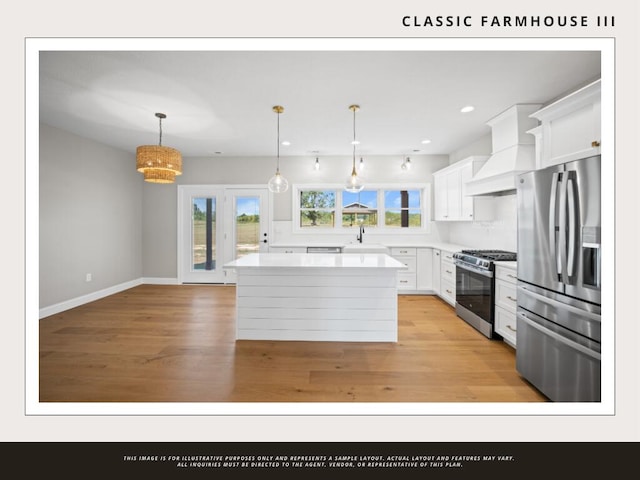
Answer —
380 228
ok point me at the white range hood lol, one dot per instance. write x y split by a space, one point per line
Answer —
513 152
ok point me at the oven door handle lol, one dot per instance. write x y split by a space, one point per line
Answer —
484 273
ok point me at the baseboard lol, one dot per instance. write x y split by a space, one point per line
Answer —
90 297
160 281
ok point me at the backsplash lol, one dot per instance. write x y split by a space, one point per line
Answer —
501 233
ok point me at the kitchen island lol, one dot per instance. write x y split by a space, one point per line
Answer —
317 297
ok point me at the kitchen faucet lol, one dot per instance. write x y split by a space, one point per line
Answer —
359 237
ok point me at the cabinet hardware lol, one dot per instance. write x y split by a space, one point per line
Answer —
449 292
511 276
511 328
448 271
595 143
511 298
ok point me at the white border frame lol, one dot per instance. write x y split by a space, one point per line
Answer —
605 45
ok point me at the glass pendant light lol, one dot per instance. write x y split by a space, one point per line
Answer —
277 183
355 182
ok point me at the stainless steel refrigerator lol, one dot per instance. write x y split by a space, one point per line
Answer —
559 264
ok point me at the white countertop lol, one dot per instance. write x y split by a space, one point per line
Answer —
512 265
316 260
449 247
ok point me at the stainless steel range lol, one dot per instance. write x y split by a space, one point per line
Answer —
475 287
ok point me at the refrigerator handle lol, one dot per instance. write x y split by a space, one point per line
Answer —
559 305
562 225
553 239
572 223
560 338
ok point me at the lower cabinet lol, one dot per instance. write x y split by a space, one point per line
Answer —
505 303
447 277
406 278
436 277
424 271
417 278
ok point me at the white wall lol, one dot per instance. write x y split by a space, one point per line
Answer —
160 201
90 214
500 232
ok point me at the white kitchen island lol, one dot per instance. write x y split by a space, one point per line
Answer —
317 297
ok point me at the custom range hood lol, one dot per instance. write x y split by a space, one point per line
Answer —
513 152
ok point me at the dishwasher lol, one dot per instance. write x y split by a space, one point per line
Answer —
324 249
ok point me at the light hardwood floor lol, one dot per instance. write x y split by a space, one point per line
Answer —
177 344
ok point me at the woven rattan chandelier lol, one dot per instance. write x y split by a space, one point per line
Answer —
158 164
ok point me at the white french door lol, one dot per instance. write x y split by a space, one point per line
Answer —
218 224
246 224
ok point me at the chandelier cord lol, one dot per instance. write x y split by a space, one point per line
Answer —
278 146
354 139
160 121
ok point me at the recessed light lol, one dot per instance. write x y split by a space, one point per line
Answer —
355 142
425 141
467 109
286 143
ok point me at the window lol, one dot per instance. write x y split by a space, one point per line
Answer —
360 208
402 208
381 207
317 208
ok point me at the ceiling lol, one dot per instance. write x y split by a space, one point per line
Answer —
219 102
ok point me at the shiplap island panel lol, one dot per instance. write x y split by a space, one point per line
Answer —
317 297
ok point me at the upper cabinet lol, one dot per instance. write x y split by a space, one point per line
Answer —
570 127
450 200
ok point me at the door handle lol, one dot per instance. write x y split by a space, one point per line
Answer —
572 224
553 241
562 224
559 305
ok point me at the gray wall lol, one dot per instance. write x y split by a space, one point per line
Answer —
98 216
90 215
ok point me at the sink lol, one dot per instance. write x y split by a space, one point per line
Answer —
364 248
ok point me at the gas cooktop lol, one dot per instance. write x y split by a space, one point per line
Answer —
482 259
494 255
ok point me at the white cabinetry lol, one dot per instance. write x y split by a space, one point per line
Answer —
424 270
505 303
570 127
450 200
436 271
417 278
447 277
407 256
